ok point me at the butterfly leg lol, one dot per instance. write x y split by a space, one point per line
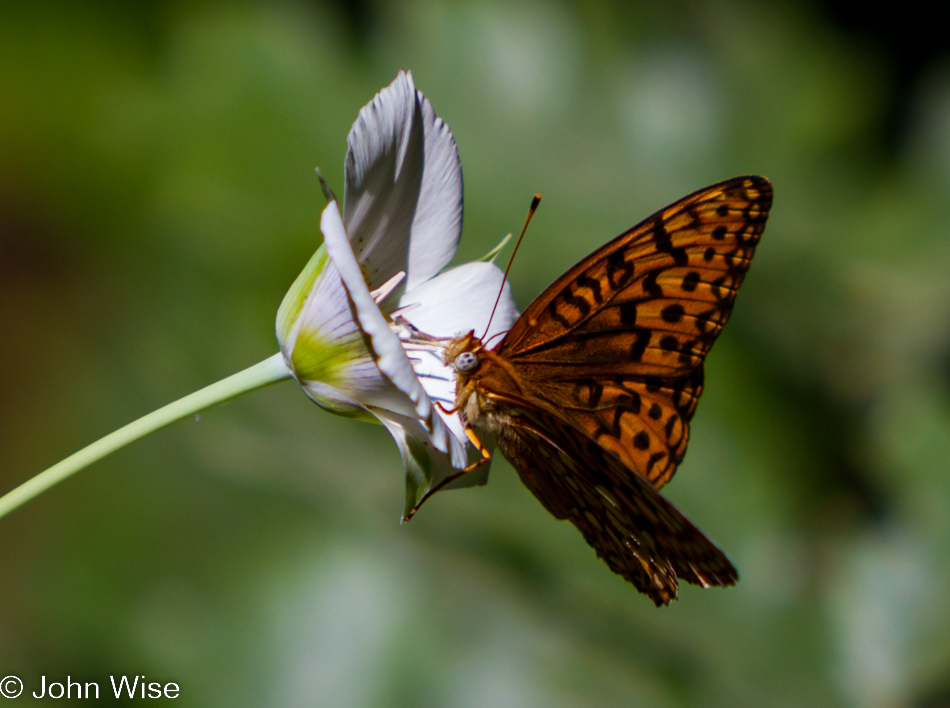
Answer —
447 411
486 454
484 459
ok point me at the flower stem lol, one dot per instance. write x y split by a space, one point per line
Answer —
265 373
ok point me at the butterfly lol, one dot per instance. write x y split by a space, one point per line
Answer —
590 393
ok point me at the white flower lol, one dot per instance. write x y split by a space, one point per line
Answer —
401 223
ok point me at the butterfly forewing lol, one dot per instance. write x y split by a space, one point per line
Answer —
619 339
651 301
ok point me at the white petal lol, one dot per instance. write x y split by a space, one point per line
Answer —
460 301
437 226
390 357
403 194
296 298
439 382
322 343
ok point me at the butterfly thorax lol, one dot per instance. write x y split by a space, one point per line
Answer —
489 398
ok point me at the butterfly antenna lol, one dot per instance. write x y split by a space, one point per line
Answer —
533 208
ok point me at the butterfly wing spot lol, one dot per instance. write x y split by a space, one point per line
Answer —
651 464
641 440
673 313
619 271
593 285
651 289
579 303
690 281
557 316
672 424
641 341
627 312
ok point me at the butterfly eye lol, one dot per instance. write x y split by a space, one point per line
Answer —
466 362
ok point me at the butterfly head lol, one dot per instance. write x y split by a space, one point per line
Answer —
464 354
473 366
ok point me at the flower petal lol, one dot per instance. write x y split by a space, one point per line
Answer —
322 343
297 297
403 194
407 397
461 300
453 303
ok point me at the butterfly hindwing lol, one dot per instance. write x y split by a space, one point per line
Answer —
637 532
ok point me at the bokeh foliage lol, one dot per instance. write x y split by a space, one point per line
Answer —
157 197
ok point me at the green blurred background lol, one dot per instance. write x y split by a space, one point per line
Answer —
157 197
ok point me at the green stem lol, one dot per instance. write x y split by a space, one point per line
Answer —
263 374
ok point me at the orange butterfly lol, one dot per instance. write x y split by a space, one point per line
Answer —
590 393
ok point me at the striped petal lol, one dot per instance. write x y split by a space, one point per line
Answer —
430 451
403 196
322 343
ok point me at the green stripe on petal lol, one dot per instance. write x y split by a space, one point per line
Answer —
317 357
296 296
